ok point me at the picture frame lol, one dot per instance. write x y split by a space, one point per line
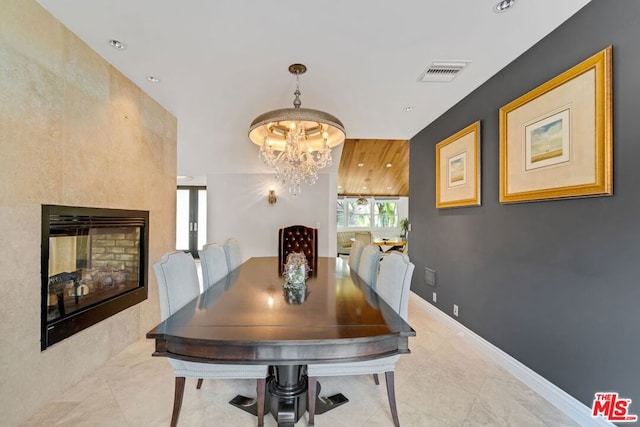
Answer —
556 141
458 169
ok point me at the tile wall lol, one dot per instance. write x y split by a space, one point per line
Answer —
73 131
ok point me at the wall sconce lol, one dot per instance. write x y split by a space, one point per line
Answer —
272 196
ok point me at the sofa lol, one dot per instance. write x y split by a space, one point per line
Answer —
344 242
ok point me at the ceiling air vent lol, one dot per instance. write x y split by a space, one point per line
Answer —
442 71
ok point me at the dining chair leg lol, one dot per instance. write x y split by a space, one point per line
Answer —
199 386
261 385
391 393
177 401
375 379
312 384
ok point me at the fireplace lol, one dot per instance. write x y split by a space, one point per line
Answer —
94 265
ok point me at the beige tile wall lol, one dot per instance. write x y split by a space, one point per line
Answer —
73 131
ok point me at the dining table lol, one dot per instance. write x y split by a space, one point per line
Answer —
386 245
251 317
389 244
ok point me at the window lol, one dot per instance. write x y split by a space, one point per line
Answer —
372 214
359 215
340 213
385 214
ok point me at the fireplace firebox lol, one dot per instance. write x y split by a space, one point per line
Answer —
94 265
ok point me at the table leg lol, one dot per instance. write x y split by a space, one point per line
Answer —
287 396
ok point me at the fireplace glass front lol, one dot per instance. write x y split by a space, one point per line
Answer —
94 265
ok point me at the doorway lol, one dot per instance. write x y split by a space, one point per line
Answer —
191 219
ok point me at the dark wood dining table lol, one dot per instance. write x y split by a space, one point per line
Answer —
249 318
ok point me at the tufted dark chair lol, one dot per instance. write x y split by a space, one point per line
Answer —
298 238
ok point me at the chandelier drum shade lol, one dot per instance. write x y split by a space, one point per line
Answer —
296 142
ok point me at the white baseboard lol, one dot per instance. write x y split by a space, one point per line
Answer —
566 403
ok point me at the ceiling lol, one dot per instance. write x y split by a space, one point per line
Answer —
222 63
374 167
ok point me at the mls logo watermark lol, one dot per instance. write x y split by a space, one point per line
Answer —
612 408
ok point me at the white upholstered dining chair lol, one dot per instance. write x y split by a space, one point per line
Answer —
394 283
178 284
354 255
213 260
232 251
369 264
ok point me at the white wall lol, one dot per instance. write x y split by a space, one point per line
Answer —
237 207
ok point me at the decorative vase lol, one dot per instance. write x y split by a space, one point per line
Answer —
295 274
295 293
296 271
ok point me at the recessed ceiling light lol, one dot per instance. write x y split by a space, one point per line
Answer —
408 108
117 44
364 187
153 79
388 165
360 165
389 188
339 186
504 5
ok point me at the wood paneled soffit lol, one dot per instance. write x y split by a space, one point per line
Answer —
364 164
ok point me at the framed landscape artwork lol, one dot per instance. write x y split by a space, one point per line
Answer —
556 141
458 169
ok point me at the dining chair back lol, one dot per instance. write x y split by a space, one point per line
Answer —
233 254
298 238
369 264
178 281
394 281
178 284
213 260
355 254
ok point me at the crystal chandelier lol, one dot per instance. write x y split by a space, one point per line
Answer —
362 201
296 142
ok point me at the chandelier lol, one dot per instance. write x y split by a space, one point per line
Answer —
296 142
362 201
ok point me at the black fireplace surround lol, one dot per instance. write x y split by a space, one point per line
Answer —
94 265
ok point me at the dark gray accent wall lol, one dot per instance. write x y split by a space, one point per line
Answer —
555 284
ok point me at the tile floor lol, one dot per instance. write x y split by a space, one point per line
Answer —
445 381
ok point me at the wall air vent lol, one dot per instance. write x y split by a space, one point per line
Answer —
442 71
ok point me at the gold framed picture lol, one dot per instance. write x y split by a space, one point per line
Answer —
556 141
458 169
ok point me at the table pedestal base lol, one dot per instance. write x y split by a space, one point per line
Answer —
327 403
286 397
287 391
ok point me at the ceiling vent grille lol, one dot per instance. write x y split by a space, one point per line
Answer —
442 71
